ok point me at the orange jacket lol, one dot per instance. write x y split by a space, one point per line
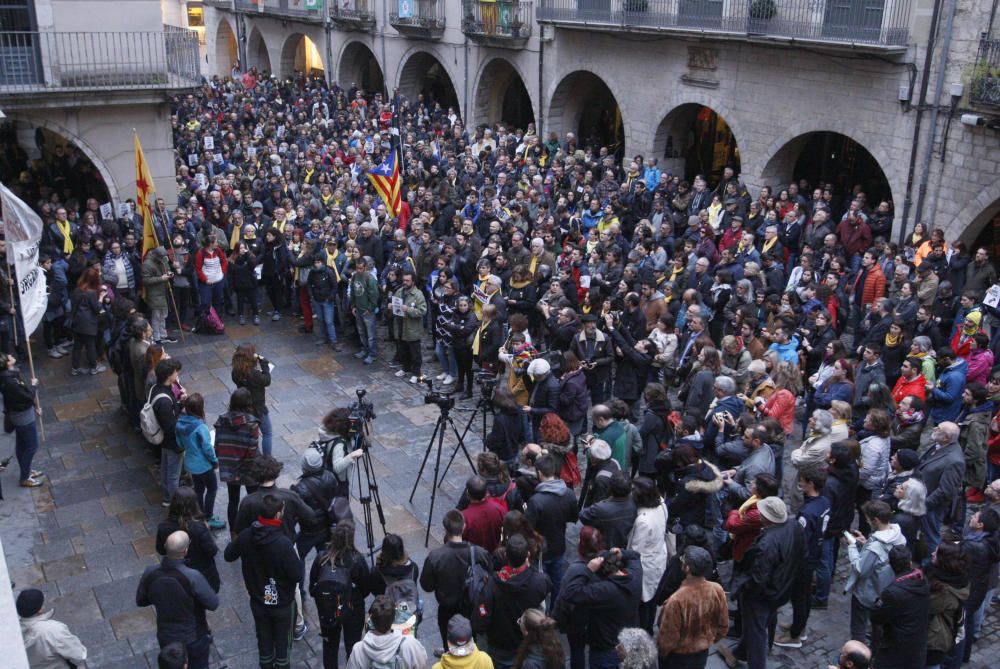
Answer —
874 286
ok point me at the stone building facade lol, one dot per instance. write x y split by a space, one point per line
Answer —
803 93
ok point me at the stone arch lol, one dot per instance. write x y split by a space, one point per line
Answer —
358 64
697 134
968 225
257 54
226 47
99 163
571 109
501 95
300 53
422 72
805 155
769 164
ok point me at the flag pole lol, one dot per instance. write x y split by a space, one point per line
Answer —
27 344
10 288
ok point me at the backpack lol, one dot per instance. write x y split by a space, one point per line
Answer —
406 596
332 593
326 448
148 423
501 500
475 582
211 323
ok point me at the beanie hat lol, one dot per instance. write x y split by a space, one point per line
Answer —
908 458
312 460
538 367
773 509
29 602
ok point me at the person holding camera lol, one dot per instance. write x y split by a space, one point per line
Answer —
334 441
87 311
253 372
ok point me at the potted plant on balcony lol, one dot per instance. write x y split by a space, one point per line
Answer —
760 14
984 83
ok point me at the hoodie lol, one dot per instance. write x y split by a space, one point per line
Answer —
271 567
550 508
385 648
196 441
509 593
476 660
870 570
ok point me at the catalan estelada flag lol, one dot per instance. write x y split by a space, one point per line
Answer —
385 178
144 194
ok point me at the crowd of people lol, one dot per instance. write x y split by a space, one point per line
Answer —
727 392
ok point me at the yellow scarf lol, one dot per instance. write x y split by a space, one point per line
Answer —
331 262
891 340
533 264
65 229
479 334
308 176
768 245
234 239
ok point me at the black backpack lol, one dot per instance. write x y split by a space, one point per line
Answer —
475 580
332 592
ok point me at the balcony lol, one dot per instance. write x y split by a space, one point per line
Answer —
70 62
868 24
356 15
498 23
287 9
985 85
419 18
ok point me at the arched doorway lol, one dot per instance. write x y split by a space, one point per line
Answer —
39 161
694 139
257 55
424 75
359 67
300 54
502 97
226 50
828 158
583 104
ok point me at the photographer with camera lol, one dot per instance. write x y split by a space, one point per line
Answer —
334 442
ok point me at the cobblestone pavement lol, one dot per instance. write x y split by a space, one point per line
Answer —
85 538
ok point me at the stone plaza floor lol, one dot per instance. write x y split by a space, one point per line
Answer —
86 536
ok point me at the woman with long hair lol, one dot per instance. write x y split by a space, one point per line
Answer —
540 647
487 340
184 515
393 565
508 431
874 460
699 390
87 312
341 554
646 538
275 263
949 582
199 456
894 350
253 372
781 404
236 435
154 354
462 326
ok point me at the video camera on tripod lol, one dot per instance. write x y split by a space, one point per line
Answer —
445 401
362 414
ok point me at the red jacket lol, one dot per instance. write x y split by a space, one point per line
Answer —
874 286
915 387
483 522
199 261
745 530
963 349
855 239
781 406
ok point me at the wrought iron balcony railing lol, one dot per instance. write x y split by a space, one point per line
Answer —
33 62
865 22
985 86
297 9
498 20
418 17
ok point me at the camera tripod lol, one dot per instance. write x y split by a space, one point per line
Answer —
368 492
484 406
444 421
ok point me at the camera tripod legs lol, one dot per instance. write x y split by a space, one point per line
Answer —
483 406
443 422
367 494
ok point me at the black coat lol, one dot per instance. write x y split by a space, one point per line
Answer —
87 312
506 435
241 273
614 518
256 382
773 563
574 396
611 603
654 431
201 553
900 616
839 489
506 600
633 369
271 567
550 509
317 489
444 572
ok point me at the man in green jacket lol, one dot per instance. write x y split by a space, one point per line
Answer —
409 306
364 301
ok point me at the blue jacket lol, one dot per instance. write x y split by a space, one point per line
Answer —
731 403
843 391
788 352
193 436
947 393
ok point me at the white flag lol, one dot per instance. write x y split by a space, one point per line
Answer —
23 231
21 224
